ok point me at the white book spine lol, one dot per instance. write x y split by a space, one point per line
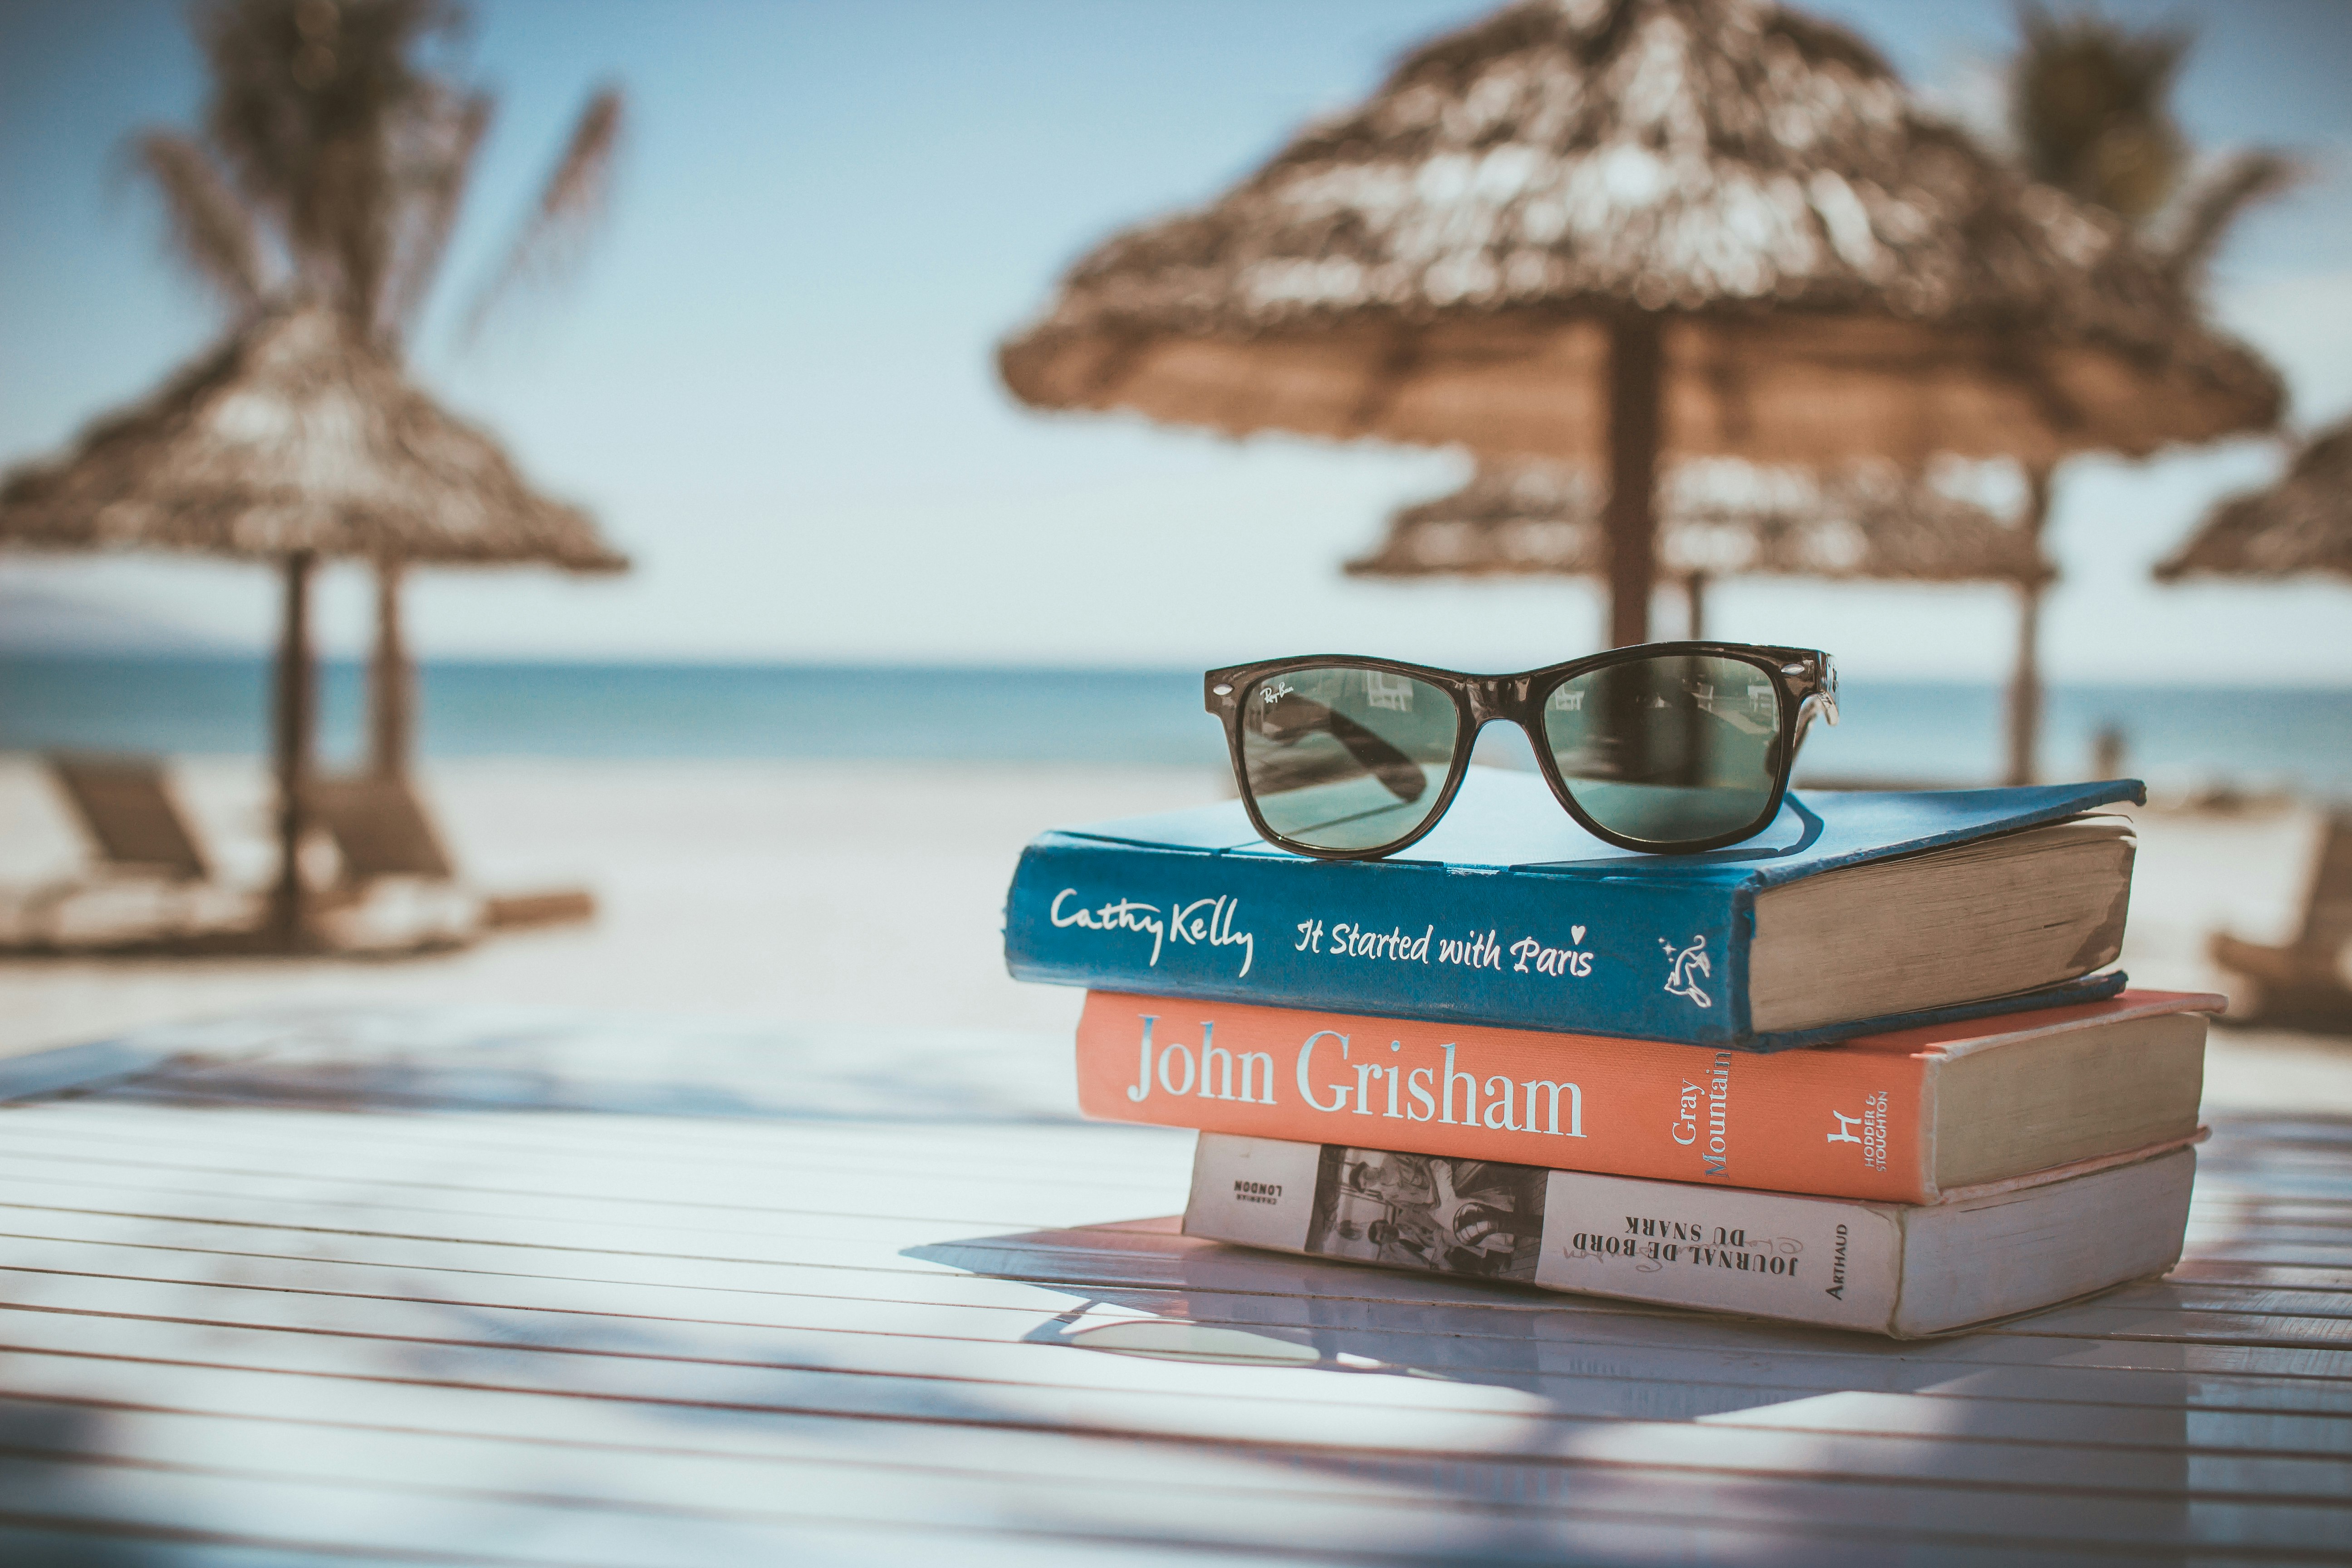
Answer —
1834 1262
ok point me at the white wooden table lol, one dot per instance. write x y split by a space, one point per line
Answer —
466 1288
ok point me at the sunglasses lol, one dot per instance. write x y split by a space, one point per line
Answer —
1666 747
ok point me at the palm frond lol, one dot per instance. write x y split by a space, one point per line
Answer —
2209 208
303 96
436 175
213 233
554 235
2089 104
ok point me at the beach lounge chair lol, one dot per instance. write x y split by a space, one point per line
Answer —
2302 982
137 836
383 834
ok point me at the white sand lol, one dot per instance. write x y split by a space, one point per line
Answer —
872 893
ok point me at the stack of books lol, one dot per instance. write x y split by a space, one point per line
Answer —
1869 1070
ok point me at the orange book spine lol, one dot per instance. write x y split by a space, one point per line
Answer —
1846 1122
1576 1102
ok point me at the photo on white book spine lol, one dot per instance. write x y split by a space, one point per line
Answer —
1423 1211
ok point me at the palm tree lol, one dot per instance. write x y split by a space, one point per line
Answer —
331 165
2089 109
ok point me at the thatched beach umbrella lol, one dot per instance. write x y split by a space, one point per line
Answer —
295 440
1719 518
1613 231
2301 524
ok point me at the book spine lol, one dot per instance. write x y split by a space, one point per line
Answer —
1409 939
1844 1123
1802 1259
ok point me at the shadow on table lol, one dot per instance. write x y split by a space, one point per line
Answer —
44 1497
1728 1441
1724 1439
498 1059
2101 1424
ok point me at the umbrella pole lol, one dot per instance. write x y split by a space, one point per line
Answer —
2025 679
1695 596
1635 387
392 682
288 922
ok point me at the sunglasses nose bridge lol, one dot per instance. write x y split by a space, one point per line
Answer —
1494 697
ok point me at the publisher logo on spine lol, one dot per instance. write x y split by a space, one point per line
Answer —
1686 967
1866 1131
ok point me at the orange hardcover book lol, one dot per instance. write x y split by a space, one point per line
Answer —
1911 1116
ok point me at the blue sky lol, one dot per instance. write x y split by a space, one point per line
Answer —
773 380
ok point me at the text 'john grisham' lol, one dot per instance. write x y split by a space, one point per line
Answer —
1333 1075
1213 922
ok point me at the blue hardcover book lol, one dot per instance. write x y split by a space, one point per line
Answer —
1853 913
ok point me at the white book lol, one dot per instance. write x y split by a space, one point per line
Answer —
1901 1269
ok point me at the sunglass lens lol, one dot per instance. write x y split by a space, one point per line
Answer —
1671 750
1343 757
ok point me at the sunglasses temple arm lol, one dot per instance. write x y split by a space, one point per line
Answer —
1814 825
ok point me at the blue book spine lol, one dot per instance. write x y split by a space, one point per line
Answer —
1629 956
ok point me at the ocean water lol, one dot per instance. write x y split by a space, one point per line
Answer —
2177 738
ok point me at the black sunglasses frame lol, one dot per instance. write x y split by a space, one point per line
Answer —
1804 679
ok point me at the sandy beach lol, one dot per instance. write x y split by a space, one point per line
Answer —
870 894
